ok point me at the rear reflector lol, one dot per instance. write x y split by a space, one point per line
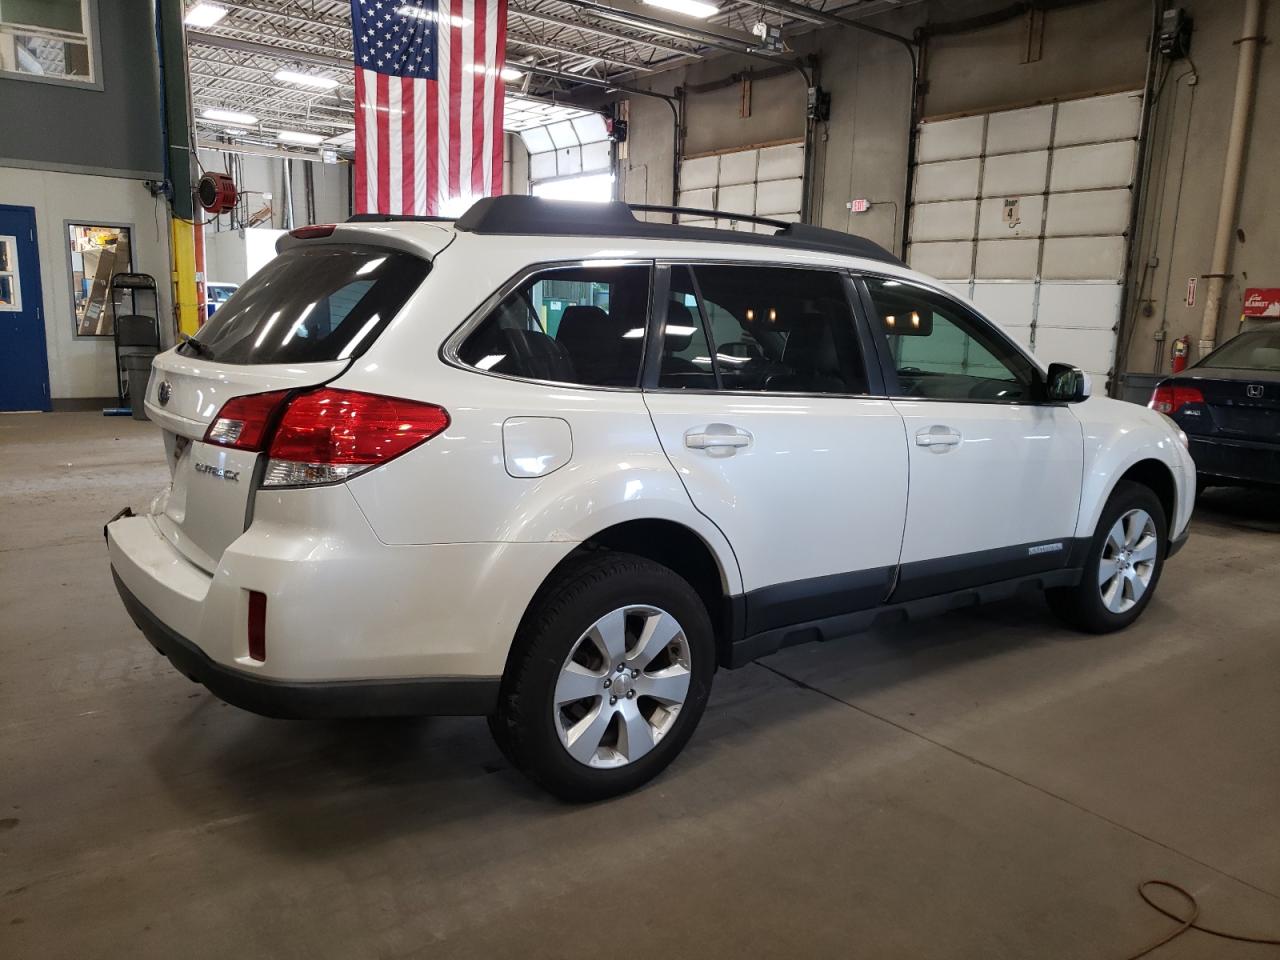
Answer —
243 421
1168 400
313 233
331 435
257 626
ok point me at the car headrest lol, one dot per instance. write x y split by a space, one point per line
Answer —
680 328
581 325
810 345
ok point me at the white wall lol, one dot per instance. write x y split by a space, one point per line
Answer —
85 366
233 256
266 175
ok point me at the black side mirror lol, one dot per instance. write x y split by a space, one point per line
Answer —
1067 384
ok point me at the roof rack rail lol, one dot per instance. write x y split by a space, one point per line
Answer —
516 215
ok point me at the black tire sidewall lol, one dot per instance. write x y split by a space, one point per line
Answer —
581 595
1126 497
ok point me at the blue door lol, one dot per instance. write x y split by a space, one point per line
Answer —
24 365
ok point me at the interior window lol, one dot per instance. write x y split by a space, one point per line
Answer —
943 352
771 329
581 324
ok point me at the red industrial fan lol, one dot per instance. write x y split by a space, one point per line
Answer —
217 193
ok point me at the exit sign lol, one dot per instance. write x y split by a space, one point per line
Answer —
861 205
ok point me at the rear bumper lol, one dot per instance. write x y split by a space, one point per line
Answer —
1236 461
451 696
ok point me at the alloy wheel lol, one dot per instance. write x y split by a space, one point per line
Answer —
622 685
1128 560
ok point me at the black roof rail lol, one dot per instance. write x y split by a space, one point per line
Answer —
516 215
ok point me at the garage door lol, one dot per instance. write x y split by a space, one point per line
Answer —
763 182
1024 212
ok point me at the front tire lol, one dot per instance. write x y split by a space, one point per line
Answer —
609 675
1123 565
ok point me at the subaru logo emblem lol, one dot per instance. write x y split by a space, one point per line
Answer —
1254 390
164 392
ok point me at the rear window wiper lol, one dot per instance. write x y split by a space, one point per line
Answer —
201 349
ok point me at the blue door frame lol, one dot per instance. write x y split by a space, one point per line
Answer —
24 361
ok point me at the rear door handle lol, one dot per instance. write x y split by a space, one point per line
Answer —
721 438
937 436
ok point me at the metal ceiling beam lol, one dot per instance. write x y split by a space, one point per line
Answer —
746 45
267 50
522 41
538 16
856 12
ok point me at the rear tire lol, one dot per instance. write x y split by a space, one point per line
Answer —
1123 565
634 639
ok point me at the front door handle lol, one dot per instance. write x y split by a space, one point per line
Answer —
718 438
937 436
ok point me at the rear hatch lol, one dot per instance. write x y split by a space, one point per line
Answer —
297 323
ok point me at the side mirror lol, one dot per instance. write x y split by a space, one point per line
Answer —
1067 384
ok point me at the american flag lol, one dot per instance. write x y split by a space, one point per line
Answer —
428 103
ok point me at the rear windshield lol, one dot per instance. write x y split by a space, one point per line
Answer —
312 303
1258 350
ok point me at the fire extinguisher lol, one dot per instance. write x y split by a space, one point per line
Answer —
1180 348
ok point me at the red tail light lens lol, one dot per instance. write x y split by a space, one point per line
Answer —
330 435
242 422
257 625
314 232
1168 400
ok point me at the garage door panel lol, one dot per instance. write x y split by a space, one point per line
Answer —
779 196
781 163
993 226
1007 259
738 167
1114 117
946 261
542 166
1014 130
1090 350
597 156
1008 304
950 140
737 199
704 199
1014 174
949 180
961 290
1083 258
1092 167
1091 212
1077 306
949 220
699 174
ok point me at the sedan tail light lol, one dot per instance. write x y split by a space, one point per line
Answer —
1169 399
325 436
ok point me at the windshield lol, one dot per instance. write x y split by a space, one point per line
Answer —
310 304
1256 350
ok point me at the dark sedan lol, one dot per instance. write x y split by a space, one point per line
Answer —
1228 404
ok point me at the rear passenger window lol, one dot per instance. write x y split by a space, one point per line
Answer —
769 329
580 324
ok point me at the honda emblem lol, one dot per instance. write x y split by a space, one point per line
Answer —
1254 390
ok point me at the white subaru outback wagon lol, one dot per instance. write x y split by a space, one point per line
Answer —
553 465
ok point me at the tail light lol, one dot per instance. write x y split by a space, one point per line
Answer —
1170 399
242 422
257 626
325 436
315 232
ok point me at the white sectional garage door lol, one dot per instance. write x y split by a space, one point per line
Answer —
1024 212
763 182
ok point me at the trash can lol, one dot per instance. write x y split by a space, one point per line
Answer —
137 371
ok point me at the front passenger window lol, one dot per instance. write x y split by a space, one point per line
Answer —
942 352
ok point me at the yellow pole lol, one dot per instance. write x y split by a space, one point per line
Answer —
184 276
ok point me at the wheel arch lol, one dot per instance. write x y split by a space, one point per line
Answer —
1157 477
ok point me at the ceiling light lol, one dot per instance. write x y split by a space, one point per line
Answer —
690 8
422 13
508 74
235 131
204 15
294 136
306 79
231 116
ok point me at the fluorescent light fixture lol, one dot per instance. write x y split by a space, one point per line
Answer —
508 74
690 8
296 136
231 116
204 15
422 13
235 131
306 79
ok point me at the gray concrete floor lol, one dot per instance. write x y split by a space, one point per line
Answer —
982 785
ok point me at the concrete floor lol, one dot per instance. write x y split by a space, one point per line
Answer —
983 785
